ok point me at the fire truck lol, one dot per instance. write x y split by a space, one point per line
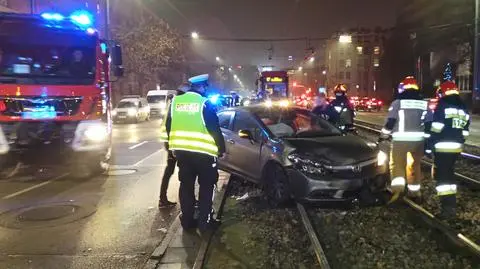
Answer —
55 108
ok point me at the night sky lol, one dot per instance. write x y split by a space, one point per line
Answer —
268 19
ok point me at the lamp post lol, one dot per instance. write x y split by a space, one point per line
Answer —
107 19
476 59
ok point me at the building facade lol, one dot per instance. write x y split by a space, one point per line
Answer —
353 58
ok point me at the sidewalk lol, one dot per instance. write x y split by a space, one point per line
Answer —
182 250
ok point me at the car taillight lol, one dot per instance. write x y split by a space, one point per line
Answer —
380 102
3 106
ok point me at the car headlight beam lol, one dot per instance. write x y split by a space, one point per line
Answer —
132 112
382 158
307 166
96 133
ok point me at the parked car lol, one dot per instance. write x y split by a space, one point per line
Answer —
292 152
131 109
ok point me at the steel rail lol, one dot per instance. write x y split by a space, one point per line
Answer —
317 246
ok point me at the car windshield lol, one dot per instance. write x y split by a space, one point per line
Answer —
38 55
154 99
126 104
295 123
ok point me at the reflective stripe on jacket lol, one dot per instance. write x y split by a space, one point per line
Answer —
188 131
407 117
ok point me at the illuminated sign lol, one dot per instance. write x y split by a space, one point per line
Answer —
274 79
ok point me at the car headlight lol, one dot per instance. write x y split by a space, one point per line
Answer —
284 103
307 166
382 158
132 112
96 133
246 103
268 103
114 112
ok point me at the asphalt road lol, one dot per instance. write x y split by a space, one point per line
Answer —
103 222
378 118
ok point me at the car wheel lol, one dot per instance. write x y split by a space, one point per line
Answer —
276 186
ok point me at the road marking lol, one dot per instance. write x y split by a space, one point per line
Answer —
146 158
138 145
33 187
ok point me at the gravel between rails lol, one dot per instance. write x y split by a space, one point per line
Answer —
253 235
468 200
381 237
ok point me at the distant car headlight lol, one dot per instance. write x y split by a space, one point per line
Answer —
114 113
307 166
246 103
132 112
284 103
382 158
96 133
268 103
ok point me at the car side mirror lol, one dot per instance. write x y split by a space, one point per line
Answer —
117 61
247 134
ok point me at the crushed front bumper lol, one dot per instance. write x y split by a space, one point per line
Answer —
330 188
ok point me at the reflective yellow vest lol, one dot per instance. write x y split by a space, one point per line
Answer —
188 131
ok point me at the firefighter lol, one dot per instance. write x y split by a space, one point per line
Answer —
171 160
448 132
343 107
428 122
405 126
195 137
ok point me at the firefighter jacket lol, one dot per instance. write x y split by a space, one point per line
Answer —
192 125
344 109
405 118
450 125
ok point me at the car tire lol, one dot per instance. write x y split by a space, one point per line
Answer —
275 186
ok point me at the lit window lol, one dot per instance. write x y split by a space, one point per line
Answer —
376 50
376 62
348 63
360 50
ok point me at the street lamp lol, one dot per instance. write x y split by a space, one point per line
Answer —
300 68
194 35
345 39
324 72
312 59
235 76
217 59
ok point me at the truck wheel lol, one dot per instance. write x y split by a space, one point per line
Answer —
276 186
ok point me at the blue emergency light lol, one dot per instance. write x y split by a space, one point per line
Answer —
214 98
81 18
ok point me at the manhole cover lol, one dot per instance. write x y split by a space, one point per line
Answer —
121 172
47 213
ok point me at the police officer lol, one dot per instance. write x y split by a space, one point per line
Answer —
344 109
195 137
171 160
448 132
405 125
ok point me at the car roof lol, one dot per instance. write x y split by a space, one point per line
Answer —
258 108
133 100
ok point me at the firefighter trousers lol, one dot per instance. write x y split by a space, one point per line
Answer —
191 166
398 161
444 174
167 174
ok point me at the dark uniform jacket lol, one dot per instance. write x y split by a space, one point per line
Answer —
450 121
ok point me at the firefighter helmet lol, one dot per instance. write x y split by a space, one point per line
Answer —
409 83
449 88
340 89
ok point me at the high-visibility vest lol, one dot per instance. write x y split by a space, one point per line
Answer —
188 131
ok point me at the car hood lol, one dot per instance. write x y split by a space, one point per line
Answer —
334 150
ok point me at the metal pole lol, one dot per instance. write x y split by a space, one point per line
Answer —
32 6
476 67
107 20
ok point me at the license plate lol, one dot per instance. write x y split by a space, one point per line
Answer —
35 115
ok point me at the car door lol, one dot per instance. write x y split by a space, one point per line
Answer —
225 122
246 156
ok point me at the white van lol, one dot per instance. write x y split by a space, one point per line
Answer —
131 109
158 99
